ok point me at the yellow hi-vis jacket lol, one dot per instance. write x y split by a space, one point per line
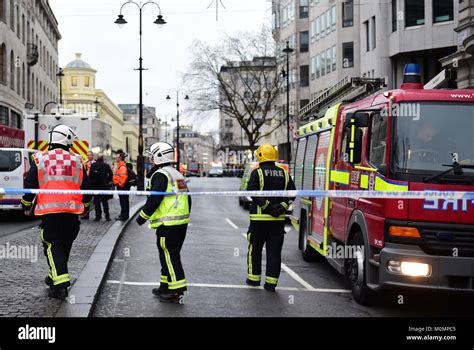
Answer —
173 209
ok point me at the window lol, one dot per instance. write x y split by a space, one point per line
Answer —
87 81
323 25
374 33
4 115
304 8
414 13
12 70
73 80
328 60
311 30
12 15
334 60
23 29
304 41
378 140
313 67
275 22
23 80
318 28
333 17
3 64
299 163
303 103
367 36
2 9
323 63
442 10
348 55
18 24
15 120
318 66
304 76
394 15
348 13
328 22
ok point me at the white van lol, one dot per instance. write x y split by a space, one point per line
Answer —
14 165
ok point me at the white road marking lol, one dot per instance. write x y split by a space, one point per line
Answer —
229 221
234 286
296 277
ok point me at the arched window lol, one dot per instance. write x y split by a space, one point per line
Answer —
12 70
23 80
74 80
3 64
12 15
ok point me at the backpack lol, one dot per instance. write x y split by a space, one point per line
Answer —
132 178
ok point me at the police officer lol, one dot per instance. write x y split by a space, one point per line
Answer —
267 218
57 169
169 215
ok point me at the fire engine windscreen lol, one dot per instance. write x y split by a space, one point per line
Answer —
9 160
435 136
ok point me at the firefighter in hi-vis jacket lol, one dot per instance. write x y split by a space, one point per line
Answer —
169 215
267 218
57 169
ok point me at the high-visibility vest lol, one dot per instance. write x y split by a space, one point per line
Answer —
173 210
260 215
59 170
120 174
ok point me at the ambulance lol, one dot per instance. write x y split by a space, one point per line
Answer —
409 139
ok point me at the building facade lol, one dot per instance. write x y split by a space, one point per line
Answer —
29 38
151 126
195 147
353 38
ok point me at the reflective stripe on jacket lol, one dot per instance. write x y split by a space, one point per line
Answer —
173 210
59 170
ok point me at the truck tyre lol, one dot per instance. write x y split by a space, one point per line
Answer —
307 252
356 272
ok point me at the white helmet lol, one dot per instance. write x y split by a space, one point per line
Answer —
161 152
62 135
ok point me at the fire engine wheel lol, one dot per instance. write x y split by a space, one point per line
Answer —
356 272
307 252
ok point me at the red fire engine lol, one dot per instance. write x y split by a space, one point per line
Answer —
410 139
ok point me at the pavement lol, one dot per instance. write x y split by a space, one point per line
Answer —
214 259
22 289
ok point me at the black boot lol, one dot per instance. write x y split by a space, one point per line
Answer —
162 290
48 281
58 293
97 219
171 297
269 287
252 283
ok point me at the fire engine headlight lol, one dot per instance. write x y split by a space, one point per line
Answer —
403 231
409 268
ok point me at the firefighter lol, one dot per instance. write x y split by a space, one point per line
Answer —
267 218
57 168
169 215
120 181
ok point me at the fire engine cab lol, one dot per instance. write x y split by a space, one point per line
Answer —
410 139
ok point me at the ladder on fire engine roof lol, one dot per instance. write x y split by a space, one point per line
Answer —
348 89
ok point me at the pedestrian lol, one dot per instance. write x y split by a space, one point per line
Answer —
87 165
169 215
120 178
57 169
100 178
267 218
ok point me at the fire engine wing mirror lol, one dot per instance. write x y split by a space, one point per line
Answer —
354 146
360 119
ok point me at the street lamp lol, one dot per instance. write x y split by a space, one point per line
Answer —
120 21
60 75
177 121
288 50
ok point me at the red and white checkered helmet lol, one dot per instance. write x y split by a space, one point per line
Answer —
62 135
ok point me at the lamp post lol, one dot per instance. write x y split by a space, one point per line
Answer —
60 76
120 21
288 50
177 122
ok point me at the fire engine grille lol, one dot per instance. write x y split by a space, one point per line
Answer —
448 243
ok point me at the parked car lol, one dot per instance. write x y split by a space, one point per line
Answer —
216 171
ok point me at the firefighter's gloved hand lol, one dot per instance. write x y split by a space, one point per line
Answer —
140 221
276 210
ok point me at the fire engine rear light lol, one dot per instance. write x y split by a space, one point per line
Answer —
409 268
402 231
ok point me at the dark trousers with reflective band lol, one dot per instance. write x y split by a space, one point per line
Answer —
170 240
58 232
98 201
270 234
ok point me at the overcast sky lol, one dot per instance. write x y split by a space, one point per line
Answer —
87 26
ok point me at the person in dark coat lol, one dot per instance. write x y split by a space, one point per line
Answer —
100 178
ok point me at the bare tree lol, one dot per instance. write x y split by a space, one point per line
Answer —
239 77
